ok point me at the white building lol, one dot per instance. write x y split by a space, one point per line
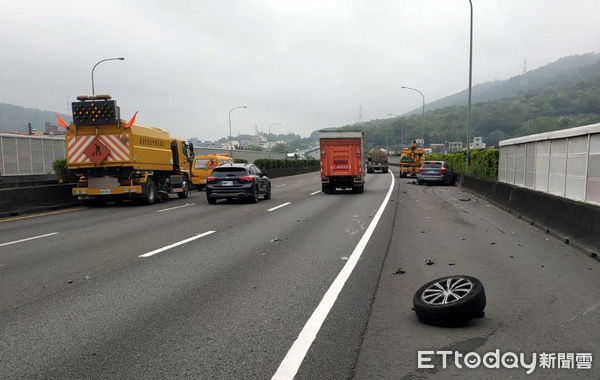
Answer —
477 143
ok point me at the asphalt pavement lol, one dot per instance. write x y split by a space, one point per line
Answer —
187 289
543 296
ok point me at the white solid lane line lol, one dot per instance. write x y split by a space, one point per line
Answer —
281 185
315 192
148 254
292 361
176 207
27 239
280 206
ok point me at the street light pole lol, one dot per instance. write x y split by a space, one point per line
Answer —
99 62
231 146
401 130
269 137
423 118
468 158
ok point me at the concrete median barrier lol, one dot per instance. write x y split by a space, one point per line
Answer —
27 199
574 222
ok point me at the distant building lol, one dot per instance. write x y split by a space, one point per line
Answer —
234 145
477 143
52 129
437 147
455 146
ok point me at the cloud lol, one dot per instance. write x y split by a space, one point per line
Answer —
306 64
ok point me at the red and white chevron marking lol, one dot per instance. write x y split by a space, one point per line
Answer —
119 150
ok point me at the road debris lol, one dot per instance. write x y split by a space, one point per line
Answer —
429 262
451 263
276 240
399 271
344 258
464 199
435 303
493 243
70 281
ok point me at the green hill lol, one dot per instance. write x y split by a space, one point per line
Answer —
561 95
15 118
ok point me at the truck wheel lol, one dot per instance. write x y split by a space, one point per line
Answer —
186 189
326 188
150 196
450 301
358 189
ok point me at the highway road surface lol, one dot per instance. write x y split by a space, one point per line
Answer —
300 285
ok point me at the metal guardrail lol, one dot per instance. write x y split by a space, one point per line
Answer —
29 155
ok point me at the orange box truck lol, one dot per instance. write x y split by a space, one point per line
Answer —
341 160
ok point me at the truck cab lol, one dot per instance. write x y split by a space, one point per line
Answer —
203 166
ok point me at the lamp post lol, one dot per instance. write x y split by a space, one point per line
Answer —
99 62
269 137
468 157
401 130
231 146
423 119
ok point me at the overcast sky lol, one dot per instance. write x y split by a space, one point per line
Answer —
307 64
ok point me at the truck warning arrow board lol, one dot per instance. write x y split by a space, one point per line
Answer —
96 151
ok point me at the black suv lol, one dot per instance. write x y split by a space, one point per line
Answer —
237 181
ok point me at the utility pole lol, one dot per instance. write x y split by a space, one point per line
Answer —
468 158
29 127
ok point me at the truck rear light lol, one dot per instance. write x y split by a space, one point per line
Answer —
246 178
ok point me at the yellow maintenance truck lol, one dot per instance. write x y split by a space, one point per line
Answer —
116 160
411 160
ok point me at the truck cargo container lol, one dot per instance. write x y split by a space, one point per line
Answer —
377 159
342 161
116 160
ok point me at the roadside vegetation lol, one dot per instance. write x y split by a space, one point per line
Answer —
484 162
268 163
60 168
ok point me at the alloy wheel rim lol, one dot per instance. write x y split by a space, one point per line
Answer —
447 291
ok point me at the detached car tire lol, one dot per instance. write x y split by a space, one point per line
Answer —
450 301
